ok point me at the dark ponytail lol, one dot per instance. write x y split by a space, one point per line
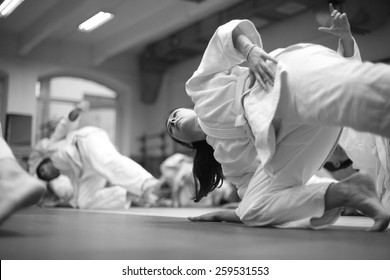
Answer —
206 170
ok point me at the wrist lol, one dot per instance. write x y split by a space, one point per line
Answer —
248 50
346 37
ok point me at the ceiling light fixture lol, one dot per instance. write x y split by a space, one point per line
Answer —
8 6
94 22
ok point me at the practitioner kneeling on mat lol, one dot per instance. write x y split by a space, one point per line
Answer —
269 135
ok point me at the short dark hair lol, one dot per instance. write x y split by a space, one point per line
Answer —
43 162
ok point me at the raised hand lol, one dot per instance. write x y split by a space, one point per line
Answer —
340 26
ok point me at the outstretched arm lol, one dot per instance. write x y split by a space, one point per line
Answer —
68 124
341 28
219 216
83 106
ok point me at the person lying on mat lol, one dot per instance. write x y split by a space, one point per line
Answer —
101 177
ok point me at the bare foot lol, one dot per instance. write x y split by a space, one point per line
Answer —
17 188
358 192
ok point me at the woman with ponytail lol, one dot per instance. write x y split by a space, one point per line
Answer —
206 170
270 126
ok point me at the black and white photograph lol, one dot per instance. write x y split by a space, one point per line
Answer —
183 139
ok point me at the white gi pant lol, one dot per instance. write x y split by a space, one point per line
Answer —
311 111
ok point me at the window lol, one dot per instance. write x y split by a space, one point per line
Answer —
56 97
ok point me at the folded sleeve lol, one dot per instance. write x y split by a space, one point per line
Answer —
356 51
63 127
220 54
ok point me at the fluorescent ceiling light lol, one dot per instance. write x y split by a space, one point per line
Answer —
94 22
8 6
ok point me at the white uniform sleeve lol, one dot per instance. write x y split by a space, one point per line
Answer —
220 55
63 127
356 51
359 146
62 187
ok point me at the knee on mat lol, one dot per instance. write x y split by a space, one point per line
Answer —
257 215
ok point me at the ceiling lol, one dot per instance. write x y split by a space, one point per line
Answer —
160 32
136 25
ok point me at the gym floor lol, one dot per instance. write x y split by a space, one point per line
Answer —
165 233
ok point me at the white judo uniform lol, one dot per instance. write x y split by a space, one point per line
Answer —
100 176
271 143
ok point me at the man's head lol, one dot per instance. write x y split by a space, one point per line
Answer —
46 170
